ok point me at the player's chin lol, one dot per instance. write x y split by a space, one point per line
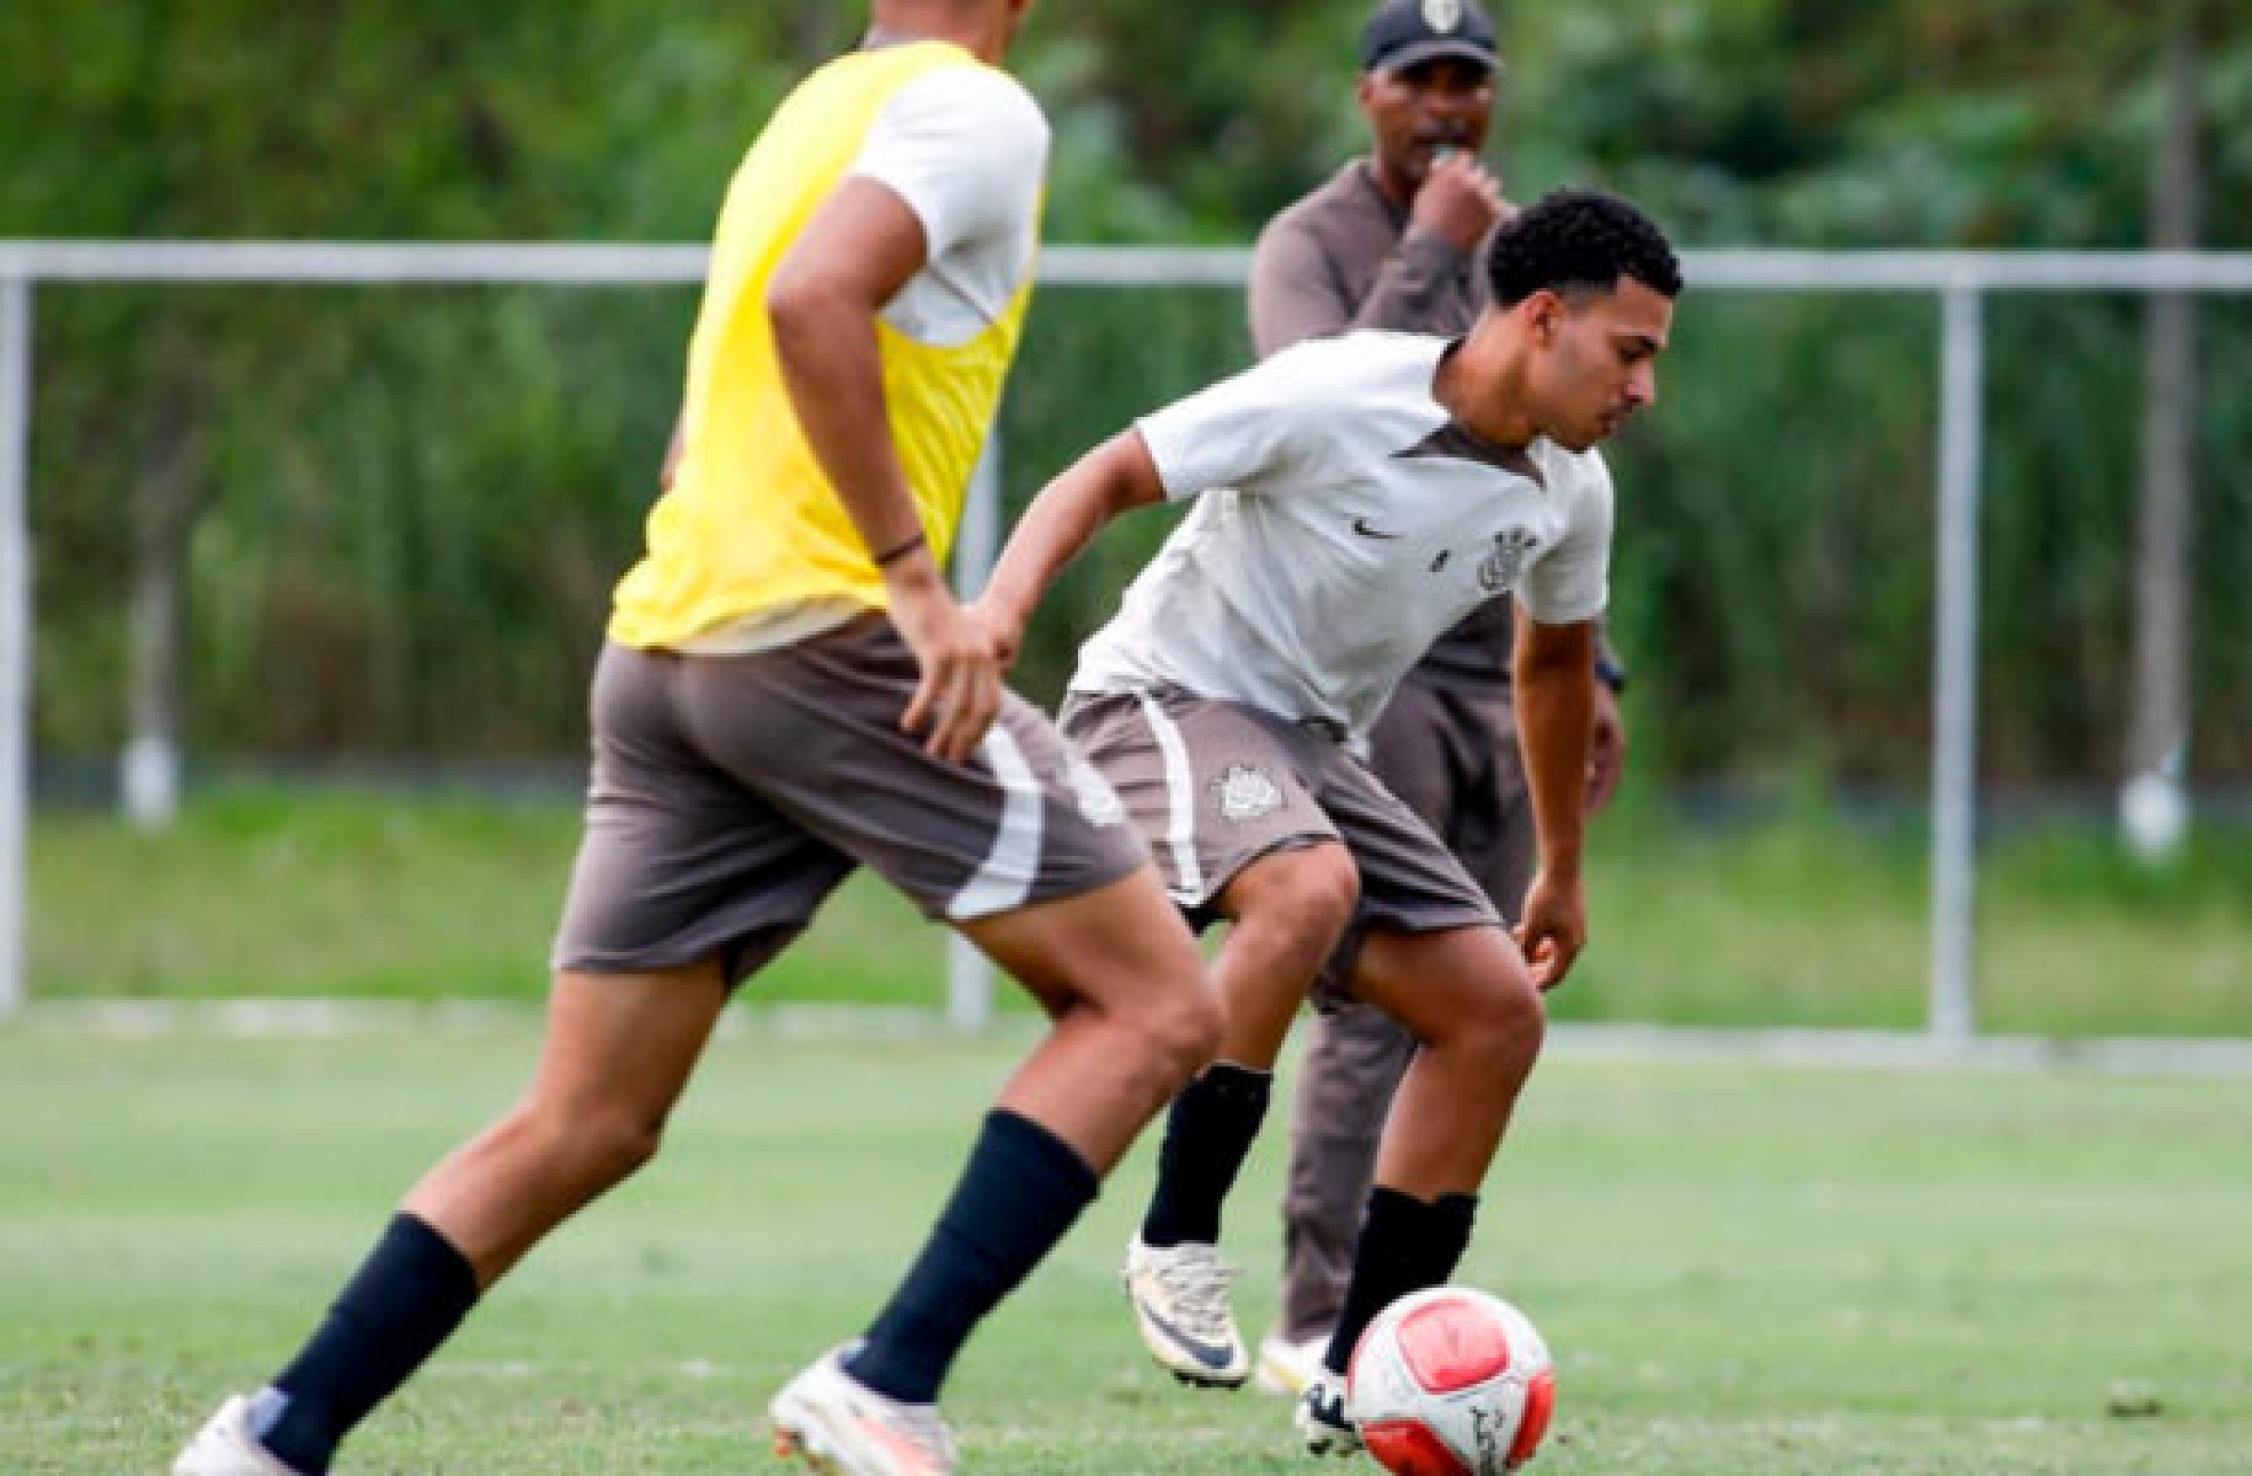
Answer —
1602 429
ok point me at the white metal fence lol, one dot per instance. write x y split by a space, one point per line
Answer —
1960 280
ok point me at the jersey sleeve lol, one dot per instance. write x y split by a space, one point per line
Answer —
1294 292
967 149
1253 432
1573 583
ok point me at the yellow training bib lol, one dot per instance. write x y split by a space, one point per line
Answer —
751 523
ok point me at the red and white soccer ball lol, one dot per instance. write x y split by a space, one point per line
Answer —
1451 1382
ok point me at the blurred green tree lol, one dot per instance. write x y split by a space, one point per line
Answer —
417 500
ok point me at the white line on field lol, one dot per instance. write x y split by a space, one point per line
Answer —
1859 1050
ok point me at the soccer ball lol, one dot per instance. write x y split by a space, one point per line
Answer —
1451 1382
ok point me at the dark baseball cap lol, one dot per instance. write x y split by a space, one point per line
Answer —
1403 33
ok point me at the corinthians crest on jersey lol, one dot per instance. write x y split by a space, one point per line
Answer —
1505 565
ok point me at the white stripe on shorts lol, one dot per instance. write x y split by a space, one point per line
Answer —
1180 795
1005 880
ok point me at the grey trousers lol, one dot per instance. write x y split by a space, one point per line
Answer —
1451 753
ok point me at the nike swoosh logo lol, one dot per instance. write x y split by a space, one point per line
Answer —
1211 1355
1360 526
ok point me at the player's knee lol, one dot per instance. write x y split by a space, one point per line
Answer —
596 1144
628 1142
1176 1022
1511 1020
1193 1027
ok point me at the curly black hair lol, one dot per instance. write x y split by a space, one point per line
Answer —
1583 240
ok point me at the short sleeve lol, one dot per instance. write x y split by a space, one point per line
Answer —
1248 432
967 148
1573 583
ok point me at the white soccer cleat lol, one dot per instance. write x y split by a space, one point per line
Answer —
1286 1367
844 1428
225 1447
1180 1297
1320 1417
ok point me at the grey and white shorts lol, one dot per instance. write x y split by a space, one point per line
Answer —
1214 785
731 794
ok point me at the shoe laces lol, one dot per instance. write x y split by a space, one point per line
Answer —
1195 1281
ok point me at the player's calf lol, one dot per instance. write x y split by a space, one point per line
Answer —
1466 995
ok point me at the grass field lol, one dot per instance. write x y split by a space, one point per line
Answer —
1804 921
1744 1271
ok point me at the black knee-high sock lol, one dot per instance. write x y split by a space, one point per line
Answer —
1406 1245
1207 1135
1021 1190
407 1298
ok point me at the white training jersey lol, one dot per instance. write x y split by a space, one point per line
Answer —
1347 522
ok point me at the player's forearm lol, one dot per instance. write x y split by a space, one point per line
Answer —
826 344
1555 697
1065 517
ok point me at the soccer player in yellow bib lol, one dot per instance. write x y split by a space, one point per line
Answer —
790 691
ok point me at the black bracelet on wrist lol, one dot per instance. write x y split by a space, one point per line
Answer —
1611 675
900 550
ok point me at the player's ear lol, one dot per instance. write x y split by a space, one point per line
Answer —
1544 314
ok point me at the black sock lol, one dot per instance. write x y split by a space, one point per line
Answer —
1019 1193
1405 1246
407 1298
1207 1135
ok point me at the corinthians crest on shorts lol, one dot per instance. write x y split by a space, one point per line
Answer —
1505 565
1246 792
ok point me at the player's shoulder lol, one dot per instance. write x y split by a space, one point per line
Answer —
1321 209
1581 473
973 90
1351 384
1368 356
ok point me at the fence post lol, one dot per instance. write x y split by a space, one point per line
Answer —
1954 881
969 973
15 634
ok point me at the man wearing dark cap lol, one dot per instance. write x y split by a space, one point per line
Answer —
1396 240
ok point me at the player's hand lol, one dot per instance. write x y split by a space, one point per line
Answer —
1555 927
1460 200
1606 762
1002 626
959 693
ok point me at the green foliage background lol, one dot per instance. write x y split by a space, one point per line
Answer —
420 498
